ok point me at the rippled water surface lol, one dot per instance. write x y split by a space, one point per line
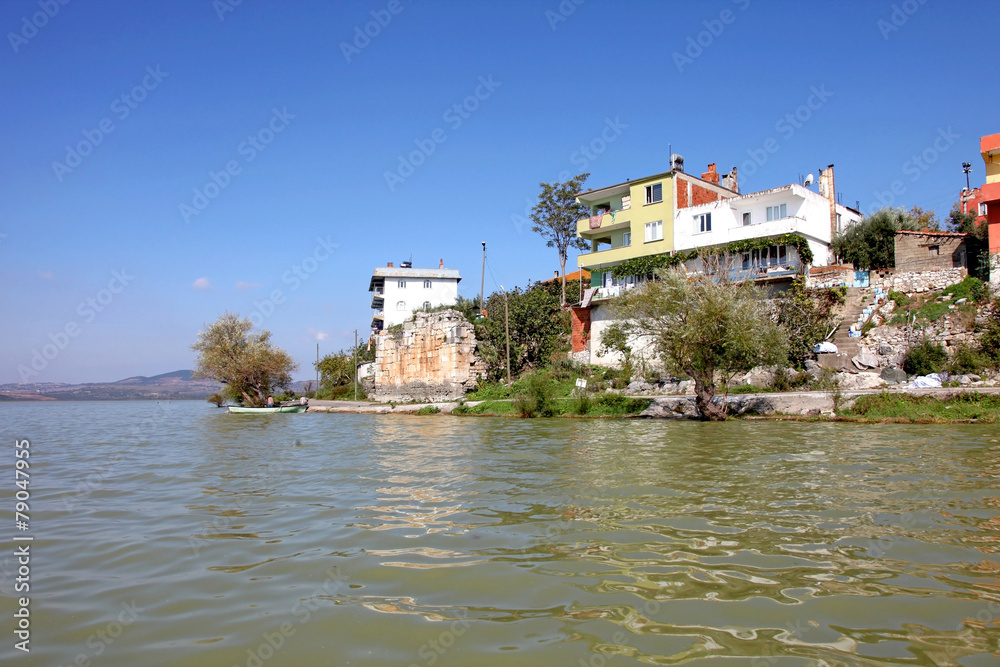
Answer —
174 534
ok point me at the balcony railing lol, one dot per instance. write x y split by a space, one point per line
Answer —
379 290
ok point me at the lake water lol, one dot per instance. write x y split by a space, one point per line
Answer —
173 534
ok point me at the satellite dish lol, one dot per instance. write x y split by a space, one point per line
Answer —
809 180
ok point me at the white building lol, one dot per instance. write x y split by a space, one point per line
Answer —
398 292
791 209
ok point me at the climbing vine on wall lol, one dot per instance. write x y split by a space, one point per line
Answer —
647 266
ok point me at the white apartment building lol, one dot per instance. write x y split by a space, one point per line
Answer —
790 209
398 292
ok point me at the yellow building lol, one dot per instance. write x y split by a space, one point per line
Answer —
636 218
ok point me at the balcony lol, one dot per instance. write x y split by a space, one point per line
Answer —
602 224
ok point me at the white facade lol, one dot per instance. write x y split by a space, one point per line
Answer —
398 292
784 210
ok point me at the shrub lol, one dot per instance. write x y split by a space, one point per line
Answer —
901 299
429 410
534 398
925 357
217 399
967 359
619 404
581 405
971 288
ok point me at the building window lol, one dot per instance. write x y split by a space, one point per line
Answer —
777 212
427 284
427 305
840 226
654 231
934 250
654 193
626 239
746 219
746 261
401 284
400 305
704 222
982 209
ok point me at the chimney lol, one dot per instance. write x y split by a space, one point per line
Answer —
441 264
389 265
828 189
556 274
729 181
712 176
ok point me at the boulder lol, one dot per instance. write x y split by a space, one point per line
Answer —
894 375
638 387
885 349
850 381
865 360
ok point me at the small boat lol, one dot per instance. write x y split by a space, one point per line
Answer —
260 411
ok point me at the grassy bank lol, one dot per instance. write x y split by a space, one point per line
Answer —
911 409
605 405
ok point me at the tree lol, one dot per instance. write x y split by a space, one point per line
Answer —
871 243
538 328
555 217
924 219
807 316
247 363
338 370
967 223
703 326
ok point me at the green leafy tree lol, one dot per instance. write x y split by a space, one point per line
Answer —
870 244
555 217
966 223
807 316
705 327
538 328
337 371
247 363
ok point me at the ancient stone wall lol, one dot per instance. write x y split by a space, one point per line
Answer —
430 358
920 252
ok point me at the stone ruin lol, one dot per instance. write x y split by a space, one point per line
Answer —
430 358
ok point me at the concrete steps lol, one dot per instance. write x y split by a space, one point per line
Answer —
857 299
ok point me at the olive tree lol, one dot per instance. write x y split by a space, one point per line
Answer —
246 362
704 326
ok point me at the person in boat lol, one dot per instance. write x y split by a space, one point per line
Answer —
270 401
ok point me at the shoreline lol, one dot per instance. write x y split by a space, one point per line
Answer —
764 406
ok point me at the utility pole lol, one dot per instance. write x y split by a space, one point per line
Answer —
482 284
355 364
506 322
966 167
316 390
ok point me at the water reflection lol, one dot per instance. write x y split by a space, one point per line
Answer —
531 542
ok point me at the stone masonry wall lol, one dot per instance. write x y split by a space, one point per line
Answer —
916 252
917 281
432 357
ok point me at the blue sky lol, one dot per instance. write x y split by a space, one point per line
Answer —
164 162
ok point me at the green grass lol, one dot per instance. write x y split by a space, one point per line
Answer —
429 410
908 408
604 405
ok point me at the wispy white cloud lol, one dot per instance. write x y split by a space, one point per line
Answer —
203 284
244 286
317 335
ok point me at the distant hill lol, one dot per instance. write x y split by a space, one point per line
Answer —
174 385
